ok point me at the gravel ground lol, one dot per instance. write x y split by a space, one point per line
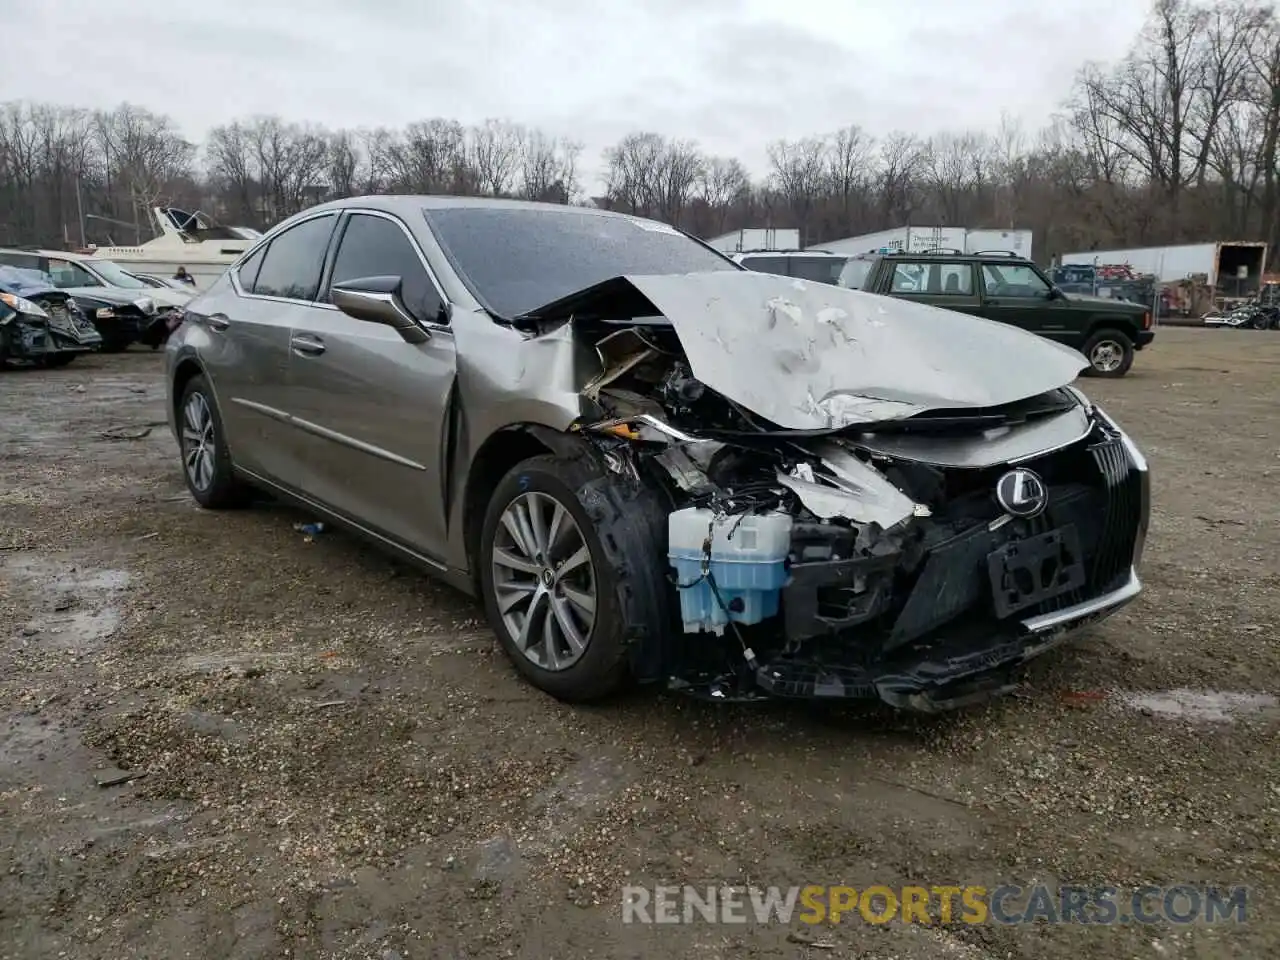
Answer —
332 759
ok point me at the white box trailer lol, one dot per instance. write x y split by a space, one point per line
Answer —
757 238
920 239
1233 268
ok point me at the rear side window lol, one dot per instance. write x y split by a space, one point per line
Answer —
817 269
248 272
766 264
295 260
908 278
27 261
377 247
956 279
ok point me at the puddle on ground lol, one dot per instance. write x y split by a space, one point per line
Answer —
81 601
1210 706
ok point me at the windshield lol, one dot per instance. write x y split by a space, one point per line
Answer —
516 260
115 276
854 274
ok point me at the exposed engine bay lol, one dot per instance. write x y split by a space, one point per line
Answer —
913 558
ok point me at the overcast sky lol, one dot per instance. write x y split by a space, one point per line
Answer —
731 74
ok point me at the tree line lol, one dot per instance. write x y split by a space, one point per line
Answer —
1177 142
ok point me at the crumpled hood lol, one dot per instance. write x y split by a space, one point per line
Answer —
810 356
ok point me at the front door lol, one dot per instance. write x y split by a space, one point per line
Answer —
371 410
1017 294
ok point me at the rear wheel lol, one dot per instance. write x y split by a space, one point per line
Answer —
206 461
1109 352
571 575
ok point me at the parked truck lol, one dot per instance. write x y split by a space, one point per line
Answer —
1233 270
924 239
756 238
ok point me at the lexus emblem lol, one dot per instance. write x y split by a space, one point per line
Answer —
1022 493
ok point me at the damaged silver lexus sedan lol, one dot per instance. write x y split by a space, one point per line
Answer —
654 465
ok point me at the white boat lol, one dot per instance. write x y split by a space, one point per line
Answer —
189 240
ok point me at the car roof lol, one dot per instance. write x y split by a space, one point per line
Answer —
790 253
407 205
994 256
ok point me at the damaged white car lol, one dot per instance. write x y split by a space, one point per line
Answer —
656 466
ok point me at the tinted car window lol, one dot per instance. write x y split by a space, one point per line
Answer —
248 272
28 261
854 273
377 247
515 260
766 264
294 261
818 269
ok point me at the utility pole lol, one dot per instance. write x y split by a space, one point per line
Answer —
80 214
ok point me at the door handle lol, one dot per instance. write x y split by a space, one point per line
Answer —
306 345
218 321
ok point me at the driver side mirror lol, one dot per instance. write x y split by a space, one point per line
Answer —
1055 293
378 300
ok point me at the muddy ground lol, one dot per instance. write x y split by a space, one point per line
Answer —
334 760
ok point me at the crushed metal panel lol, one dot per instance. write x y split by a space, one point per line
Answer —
810 356
855 491
999 445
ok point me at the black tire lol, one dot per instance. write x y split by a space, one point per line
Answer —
1100 350
224 490
624 529
60 359
114 344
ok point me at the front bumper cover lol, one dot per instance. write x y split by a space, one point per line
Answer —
950 675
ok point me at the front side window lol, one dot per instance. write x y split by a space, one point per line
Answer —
377 247
294 261
67 275
1013 280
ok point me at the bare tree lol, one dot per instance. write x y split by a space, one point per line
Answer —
849 166
495 155
798 171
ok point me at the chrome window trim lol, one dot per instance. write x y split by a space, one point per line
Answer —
417 248
233 272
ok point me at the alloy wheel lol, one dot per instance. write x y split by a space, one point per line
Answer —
198 450
544 581
1106 356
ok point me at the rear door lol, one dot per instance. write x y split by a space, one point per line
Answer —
1017 294
246 325
372 410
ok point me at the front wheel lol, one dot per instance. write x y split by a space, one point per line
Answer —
571 575
206 461
59 359
1109 352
